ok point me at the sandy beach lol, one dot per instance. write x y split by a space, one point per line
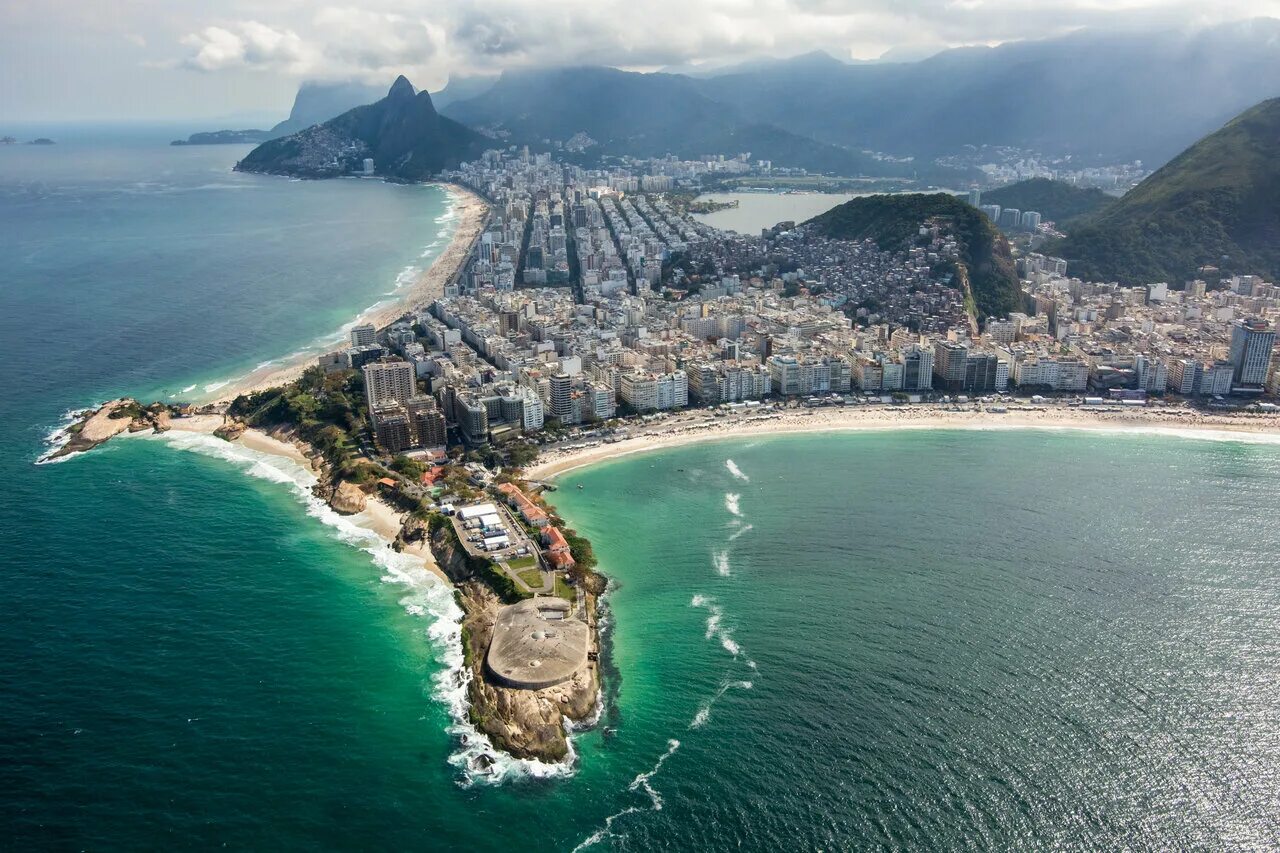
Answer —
473 213
695 427
378 516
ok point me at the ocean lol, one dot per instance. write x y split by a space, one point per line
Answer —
948 639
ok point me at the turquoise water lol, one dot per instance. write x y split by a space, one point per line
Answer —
952 639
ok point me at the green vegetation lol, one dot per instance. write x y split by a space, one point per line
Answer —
507 590
411 468
520 563
1216 203
521 454
531 577
1055 200
402 133
893 222
326 410
564 590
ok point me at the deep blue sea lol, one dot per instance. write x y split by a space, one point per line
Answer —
955 640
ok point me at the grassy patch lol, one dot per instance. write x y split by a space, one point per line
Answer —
532 577
563 590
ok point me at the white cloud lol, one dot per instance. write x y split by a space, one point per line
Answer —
428 39
251 45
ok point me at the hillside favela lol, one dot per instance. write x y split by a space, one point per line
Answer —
748 426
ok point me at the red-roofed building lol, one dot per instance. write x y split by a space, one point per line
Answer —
529 511
557 548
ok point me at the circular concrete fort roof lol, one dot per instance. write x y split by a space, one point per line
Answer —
537 644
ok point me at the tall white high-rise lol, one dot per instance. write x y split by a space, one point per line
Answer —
1251 346
363 335
385 381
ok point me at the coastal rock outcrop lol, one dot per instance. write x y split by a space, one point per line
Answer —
231 430
528 724
95 426
348 499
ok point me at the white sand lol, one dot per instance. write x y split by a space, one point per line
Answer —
378 516
701 426
473 212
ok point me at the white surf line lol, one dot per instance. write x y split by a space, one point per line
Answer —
731 503
721 561
736 471
641 782
746 528
716 629
704 713
426 597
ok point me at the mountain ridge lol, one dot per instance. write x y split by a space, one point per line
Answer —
402 133
1218 202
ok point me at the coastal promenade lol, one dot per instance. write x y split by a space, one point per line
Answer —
473 216
697 426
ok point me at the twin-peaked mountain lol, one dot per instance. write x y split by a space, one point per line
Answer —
1090 97
402 133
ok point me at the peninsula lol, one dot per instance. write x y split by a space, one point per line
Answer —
581 313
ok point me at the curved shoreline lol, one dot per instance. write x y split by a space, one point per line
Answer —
472 214
686 431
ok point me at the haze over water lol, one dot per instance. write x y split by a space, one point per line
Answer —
951 639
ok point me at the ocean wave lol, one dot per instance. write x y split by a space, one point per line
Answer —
721 561
736 471
701 718
642 782
58 437
731 503
746 528
716 629
428 597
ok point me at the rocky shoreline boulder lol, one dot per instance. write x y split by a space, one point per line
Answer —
348 498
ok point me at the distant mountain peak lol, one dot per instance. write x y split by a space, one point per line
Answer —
402 134
402 88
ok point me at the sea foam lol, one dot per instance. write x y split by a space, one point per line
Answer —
426 596
736 471
731 503
642 782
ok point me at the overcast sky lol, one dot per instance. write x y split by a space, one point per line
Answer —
158 59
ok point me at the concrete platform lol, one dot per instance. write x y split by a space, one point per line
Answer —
536 644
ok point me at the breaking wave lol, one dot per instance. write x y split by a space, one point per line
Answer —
721 561
736 471
426 596
731 503
642 782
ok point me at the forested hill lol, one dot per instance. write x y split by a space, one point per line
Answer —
894 221
1055 200
402 133
1216 203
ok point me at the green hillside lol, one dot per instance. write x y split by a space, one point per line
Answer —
1056 201
893 222
402 133
1217 203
